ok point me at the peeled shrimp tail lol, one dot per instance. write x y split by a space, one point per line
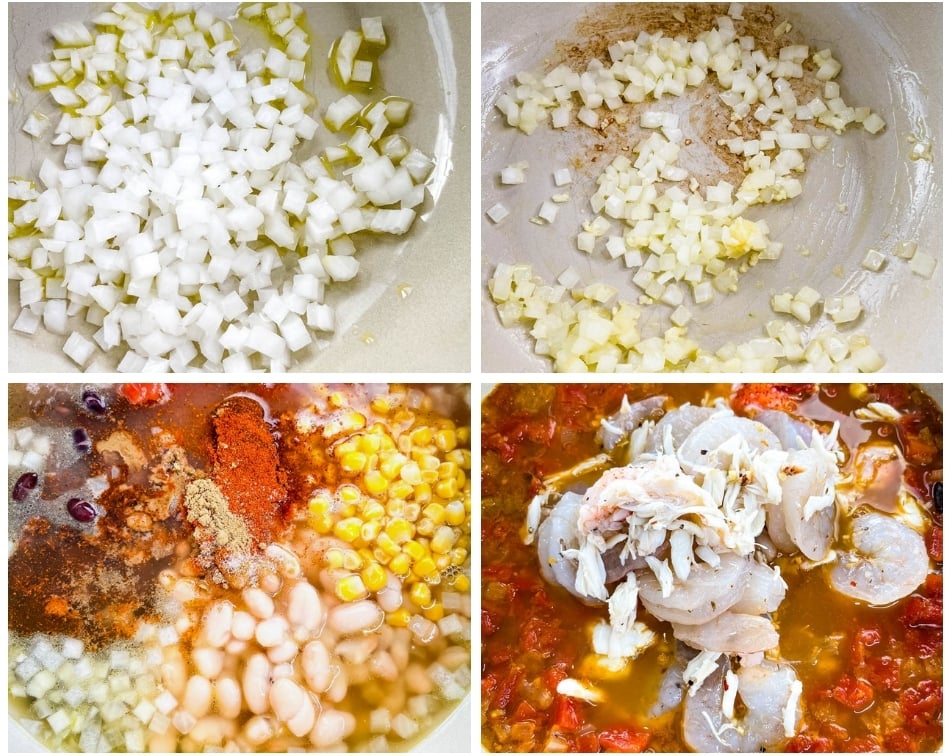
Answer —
888 561
618 426
769 693
558 536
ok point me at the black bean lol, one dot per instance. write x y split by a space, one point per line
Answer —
81 440
81 510
24 484
937 498
94 402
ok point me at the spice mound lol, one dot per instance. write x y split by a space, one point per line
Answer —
246 467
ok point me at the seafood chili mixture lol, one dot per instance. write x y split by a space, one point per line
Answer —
711 568
239 568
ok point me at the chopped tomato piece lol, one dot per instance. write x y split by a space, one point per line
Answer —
869 744
567 713
853 692
807 744
900 741
922 705
141 394
922 610
884 672
933 542
784 397
623 739
865 637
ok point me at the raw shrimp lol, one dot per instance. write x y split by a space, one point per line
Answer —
701 449
888 561
679 423
765 590
730 633
791 432
556 534
769 693
807 500
657 484
617 427
705 594
673 683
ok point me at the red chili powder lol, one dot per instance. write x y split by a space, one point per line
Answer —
246 467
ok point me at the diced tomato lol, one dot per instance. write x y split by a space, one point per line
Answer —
623 739
538 635
883 672
141 394
896 394
807 744
567 713
868 744
555 675
922 705
864 638
505 689
524 711
933 542
922 610
489 623
900 741
855 693
784 396
919 443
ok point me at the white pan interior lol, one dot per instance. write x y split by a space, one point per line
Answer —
863 191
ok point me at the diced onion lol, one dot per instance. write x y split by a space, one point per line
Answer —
177 216
680 239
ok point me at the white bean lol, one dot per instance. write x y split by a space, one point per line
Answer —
284 652
244 625
305 607
185 590
418 679
183 721
271 583
454 657
213 730
256 683
339 687
356 650
197 696
330 728
285 698
286 562
391 597
271 632
259 729
165 742
258 602
357 617
174 676
317 666
286 669
304 720
208 661
400 647
234 648
217 621
382 666
228 697
182 624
